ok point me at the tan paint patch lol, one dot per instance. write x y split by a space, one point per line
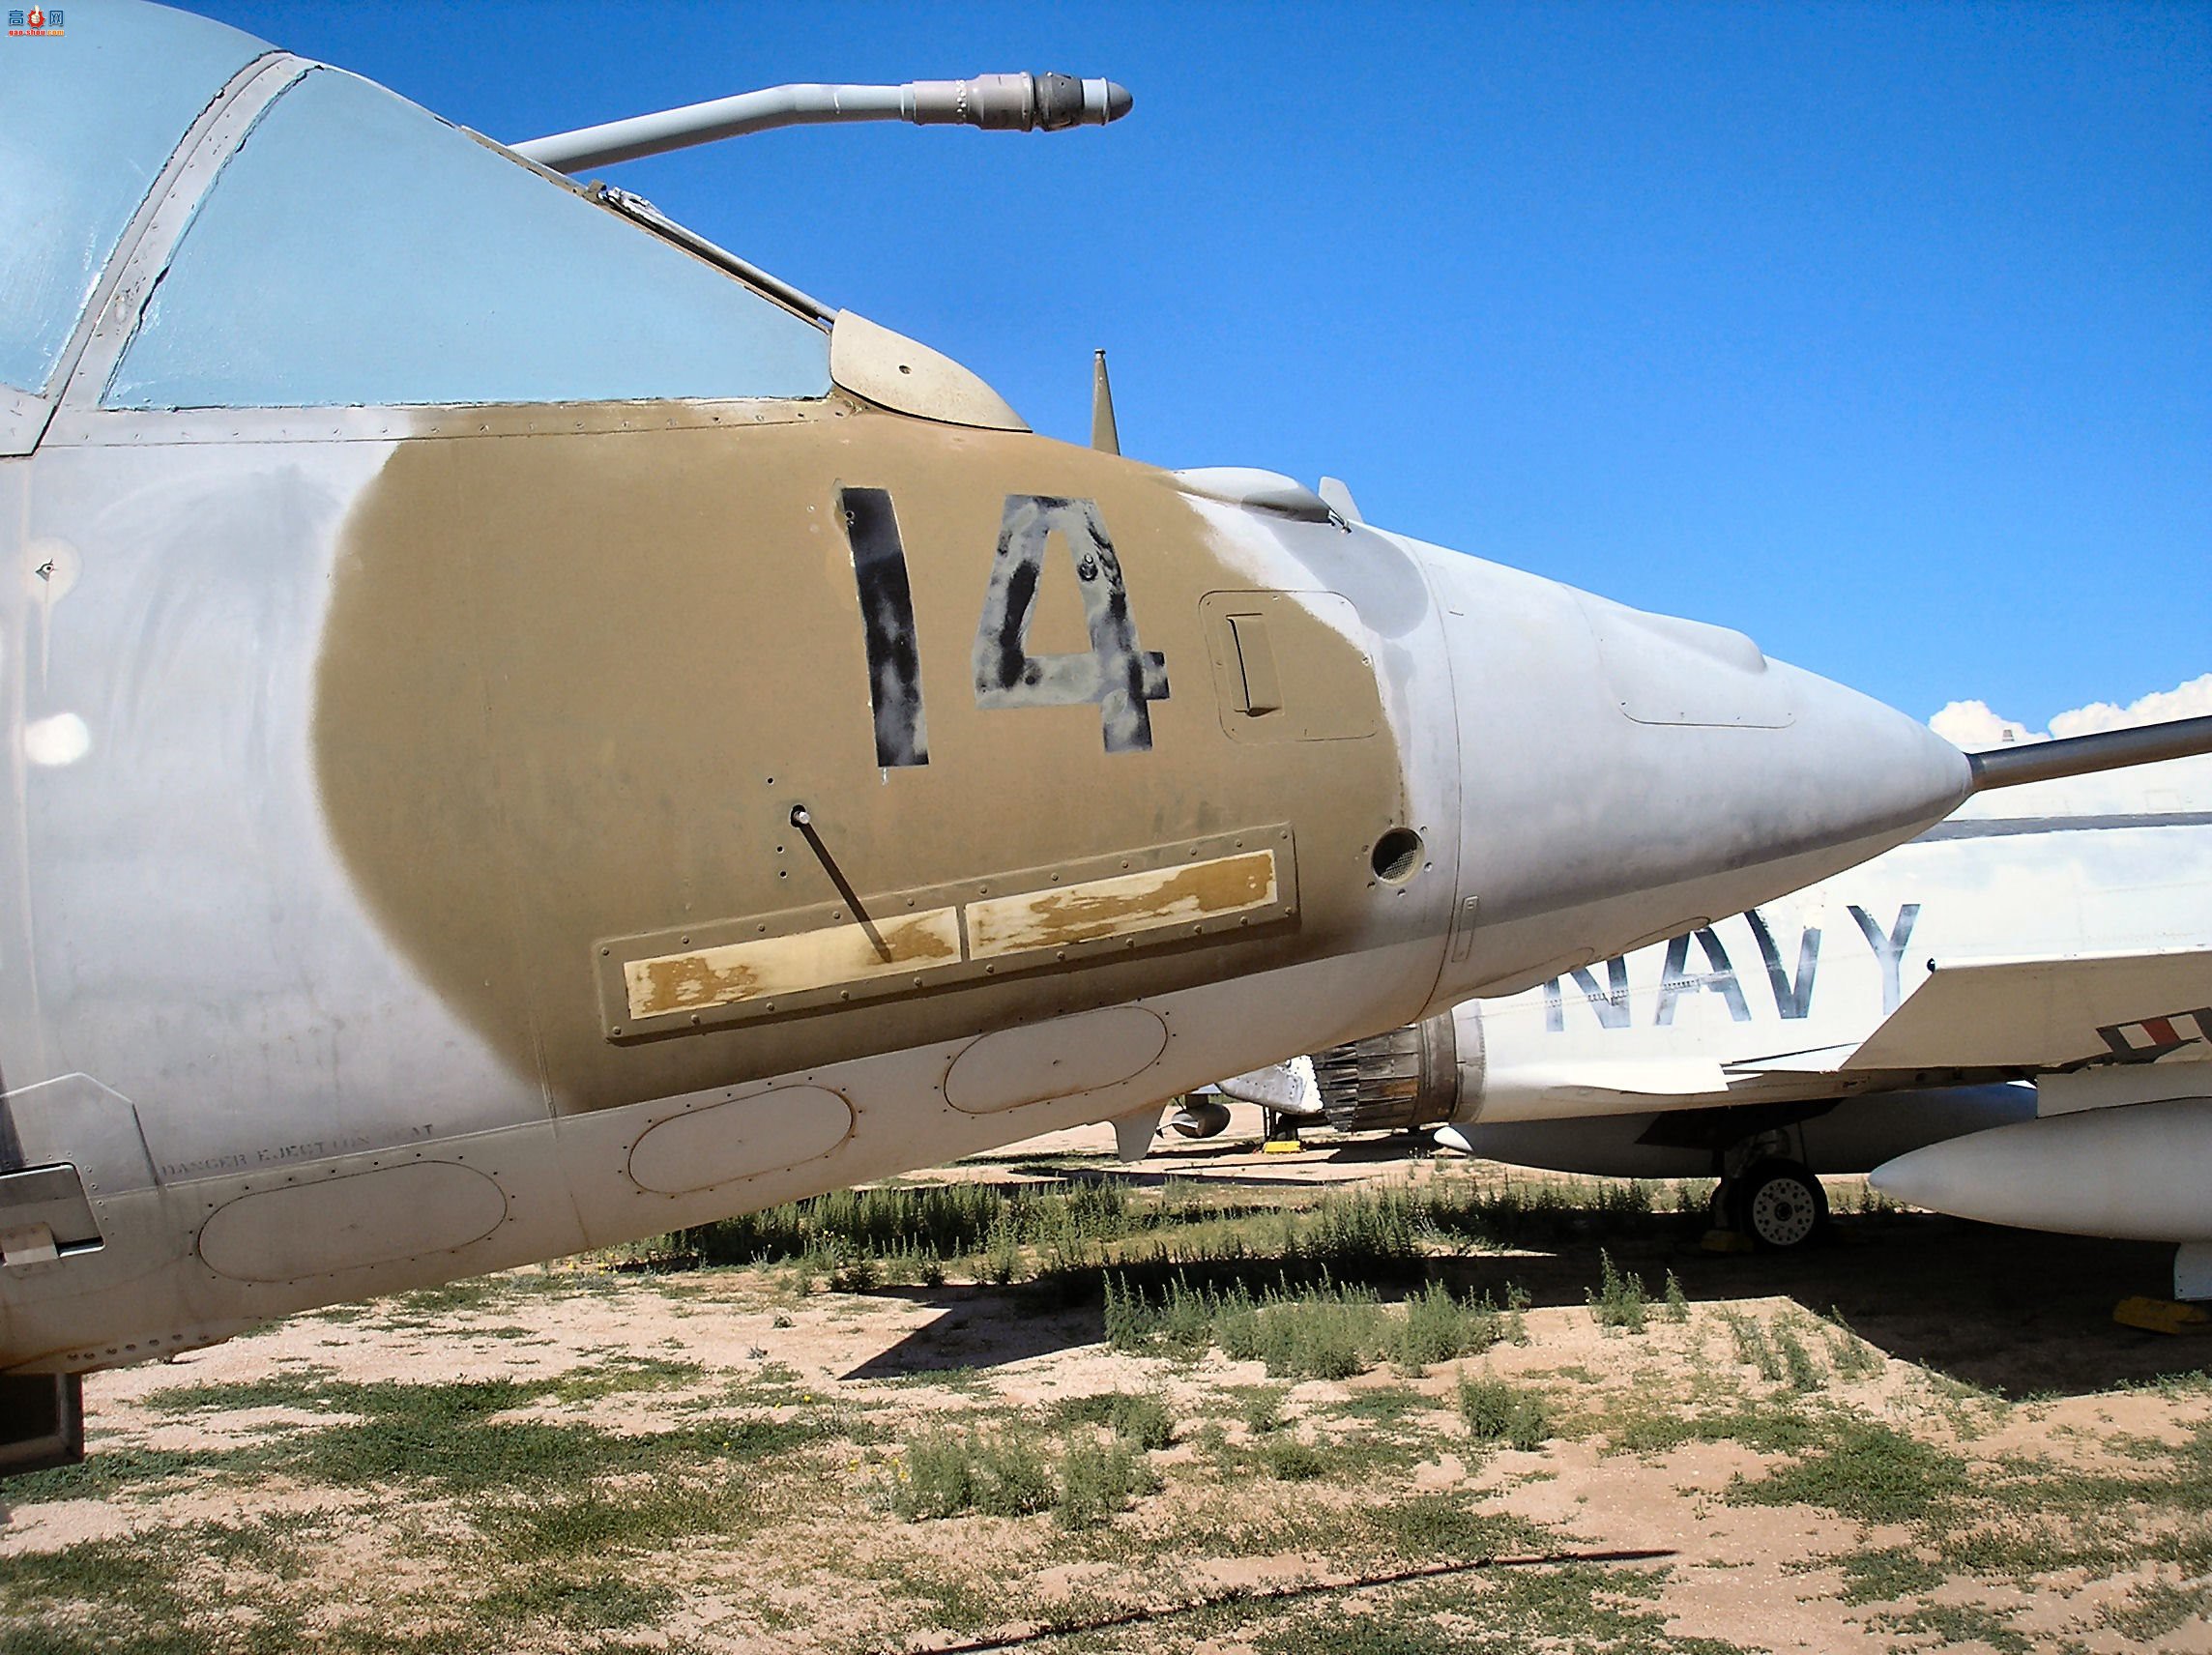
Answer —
1121 906
629 657
704 977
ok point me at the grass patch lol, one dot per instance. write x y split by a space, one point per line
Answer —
1098 1479
1865 1471
997 1233
2157 1607
1141 1420
1960 1623
1770 1430
1888 1574
1497 1412
1444 1527
1287 1460
943 1473
1321 1329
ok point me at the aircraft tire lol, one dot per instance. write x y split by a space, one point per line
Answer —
1780 1205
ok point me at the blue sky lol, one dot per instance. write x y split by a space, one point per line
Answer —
1884 332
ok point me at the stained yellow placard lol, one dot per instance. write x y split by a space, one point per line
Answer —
701 978
1121 905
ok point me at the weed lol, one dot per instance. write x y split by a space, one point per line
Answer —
1290 1461
1804 1373
1851 1356
1617 1301
1497 1411
1001 1258
1961 1623
942 1473
937 1478
1677 1302
1439 1326
1314 1331
1098 1479
1751 1344
1862 1470
1263 1410
1141 1420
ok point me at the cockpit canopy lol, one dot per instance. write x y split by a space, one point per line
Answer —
352 250
87 123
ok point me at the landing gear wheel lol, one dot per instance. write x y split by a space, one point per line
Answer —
1780 1205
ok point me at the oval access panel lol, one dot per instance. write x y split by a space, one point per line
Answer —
724 1142
346 1223
1058 1058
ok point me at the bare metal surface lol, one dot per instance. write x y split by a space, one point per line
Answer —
1001 102
2084 755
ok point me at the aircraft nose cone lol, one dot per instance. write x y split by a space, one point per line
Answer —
1625 776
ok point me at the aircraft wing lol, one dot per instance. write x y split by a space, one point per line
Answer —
2047 1014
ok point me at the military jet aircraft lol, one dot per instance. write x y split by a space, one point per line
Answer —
599 740
2035 957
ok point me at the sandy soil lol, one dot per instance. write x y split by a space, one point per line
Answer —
1993 1349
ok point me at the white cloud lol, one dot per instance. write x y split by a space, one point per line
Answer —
1973 724
2179 783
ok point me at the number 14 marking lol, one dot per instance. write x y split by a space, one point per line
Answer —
1117 674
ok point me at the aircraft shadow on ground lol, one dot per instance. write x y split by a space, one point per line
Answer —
984 1327
2009 1311
2015 1312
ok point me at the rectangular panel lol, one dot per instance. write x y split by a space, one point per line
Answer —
702 979
1122 906
1225 887
52 1196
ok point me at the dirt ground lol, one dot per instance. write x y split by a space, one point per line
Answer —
1924 1434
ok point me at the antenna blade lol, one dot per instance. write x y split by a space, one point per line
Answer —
1340 498
1105 435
